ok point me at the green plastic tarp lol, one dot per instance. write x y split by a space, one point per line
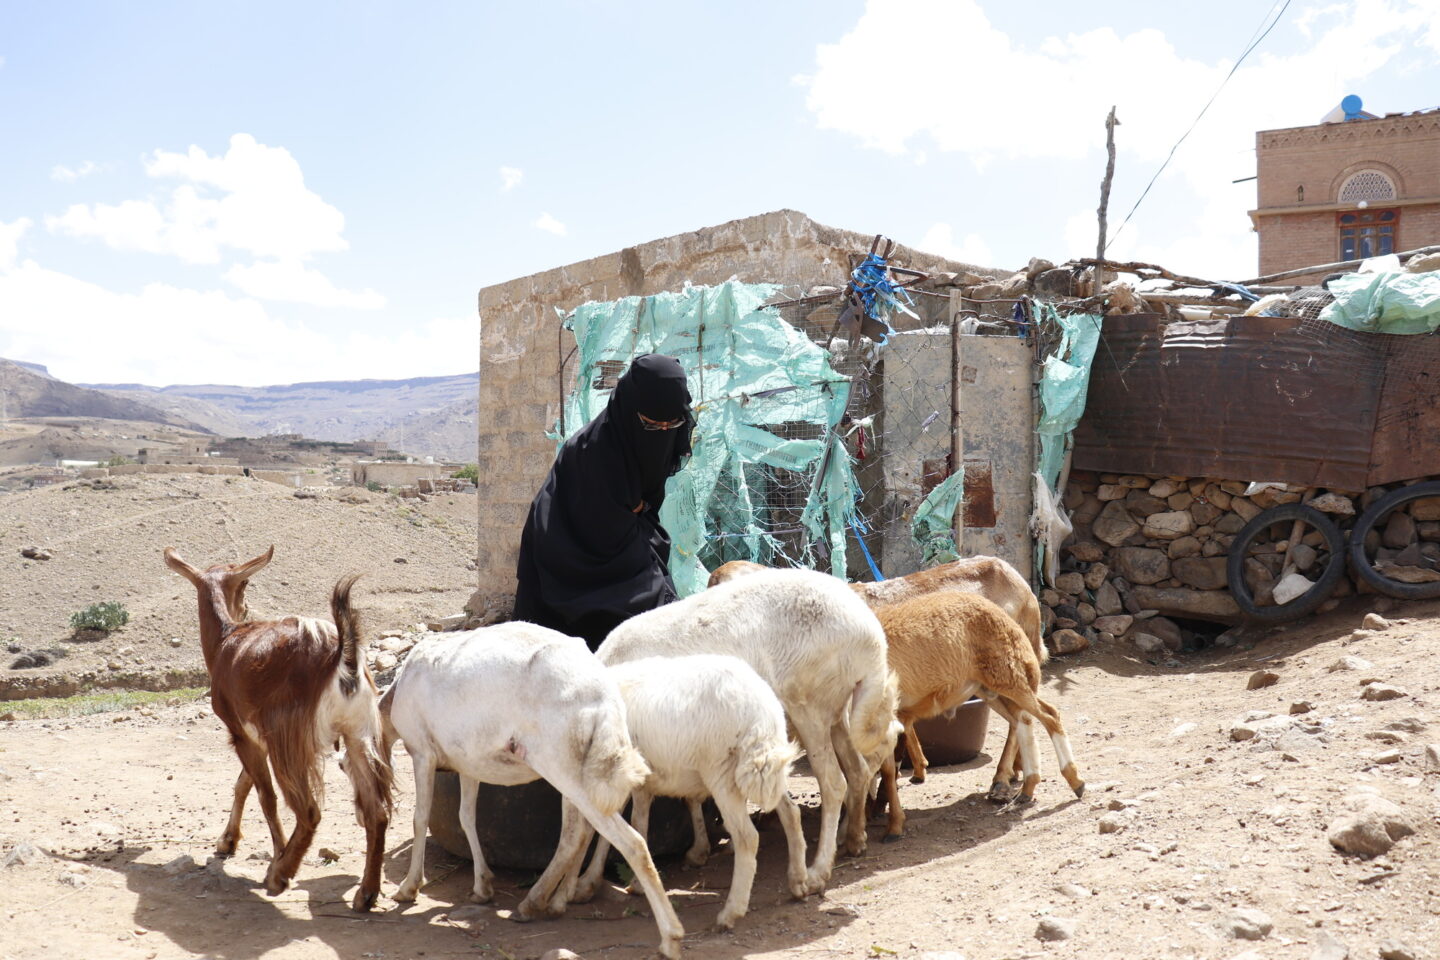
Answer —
1386 302
767 403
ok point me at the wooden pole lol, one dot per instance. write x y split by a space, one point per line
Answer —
957 429
1110 124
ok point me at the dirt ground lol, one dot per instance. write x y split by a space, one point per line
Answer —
107 825
105 540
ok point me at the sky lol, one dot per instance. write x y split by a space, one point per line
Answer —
274 192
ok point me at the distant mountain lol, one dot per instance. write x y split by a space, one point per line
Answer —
435 414
448 433
39 368
28 392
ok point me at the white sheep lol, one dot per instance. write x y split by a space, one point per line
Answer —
709 726
988 577
509 704
821 651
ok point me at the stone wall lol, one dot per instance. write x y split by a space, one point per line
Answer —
397 473
522 381
1149 551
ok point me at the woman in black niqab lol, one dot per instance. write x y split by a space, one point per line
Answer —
593 552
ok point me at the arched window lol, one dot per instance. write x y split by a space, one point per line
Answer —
1366 185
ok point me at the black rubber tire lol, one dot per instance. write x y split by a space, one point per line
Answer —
1378 511
1316 595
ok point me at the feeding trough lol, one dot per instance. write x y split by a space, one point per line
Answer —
955 739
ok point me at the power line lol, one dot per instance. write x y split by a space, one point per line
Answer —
1253 44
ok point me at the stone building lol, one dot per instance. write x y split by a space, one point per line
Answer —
523 377
1352 186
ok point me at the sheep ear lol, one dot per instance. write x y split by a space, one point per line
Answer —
249 568
173 561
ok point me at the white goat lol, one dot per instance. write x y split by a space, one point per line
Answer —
509 704
708 726
821 651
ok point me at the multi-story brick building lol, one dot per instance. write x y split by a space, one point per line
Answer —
1352 186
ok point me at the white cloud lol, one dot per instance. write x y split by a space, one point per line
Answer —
253 199
194 335
71 174
550 225
940 239
510 178
1157 92
293 282
10 234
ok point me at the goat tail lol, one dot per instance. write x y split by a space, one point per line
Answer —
611 765
347 624
872 710
762 768
368 766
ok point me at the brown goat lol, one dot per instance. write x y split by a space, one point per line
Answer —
287 690
988 577
948 646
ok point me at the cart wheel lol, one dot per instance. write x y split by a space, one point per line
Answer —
1261 530
1375 516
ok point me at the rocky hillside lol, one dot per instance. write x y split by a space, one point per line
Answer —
430 412
28 392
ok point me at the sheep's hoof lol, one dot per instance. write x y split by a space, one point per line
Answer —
226 846
406 893
917 778
697 858
276 885
364 900
854 847
1079 789
482 895
799 889
891 837
584 893
670 948
999 793
528 911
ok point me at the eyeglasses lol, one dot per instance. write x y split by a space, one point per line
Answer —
647 424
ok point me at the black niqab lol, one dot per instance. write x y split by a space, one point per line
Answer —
588 559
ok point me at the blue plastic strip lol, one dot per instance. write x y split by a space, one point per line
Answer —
874 569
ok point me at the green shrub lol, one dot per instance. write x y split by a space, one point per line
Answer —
119 460
373 486
104 617
471 471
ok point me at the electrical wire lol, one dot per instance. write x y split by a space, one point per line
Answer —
1253 44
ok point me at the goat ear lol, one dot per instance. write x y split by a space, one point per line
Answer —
249 568
173 561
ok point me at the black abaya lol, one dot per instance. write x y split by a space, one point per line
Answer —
593 552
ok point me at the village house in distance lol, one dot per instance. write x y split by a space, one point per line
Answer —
1352 186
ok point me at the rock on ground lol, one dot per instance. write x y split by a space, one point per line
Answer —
1245 923
1055 928
1370 827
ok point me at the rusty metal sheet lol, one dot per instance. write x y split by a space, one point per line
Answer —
979 495
1243 398
1406 445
